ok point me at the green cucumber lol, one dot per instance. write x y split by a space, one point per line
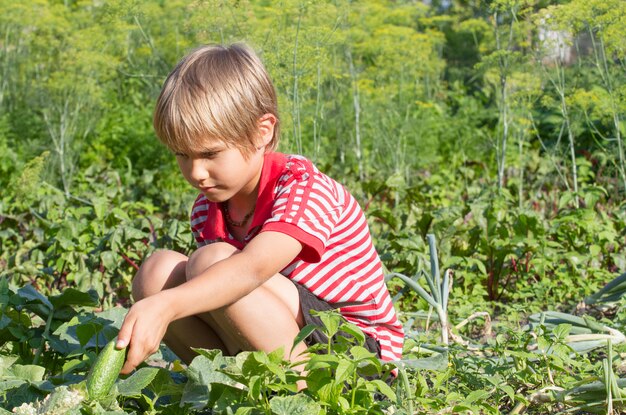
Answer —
105 371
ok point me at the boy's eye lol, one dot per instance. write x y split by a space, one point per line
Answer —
209 154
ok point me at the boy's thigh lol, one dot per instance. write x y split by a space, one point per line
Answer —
270 311
284 289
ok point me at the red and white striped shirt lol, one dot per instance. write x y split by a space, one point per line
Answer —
338 262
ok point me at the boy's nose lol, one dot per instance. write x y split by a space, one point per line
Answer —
199 172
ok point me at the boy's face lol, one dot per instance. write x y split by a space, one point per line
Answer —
221 172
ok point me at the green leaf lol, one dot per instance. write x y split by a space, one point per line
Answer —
594 250
32 296
74 297
303 334
354 331
134 384
319 361
255 384
562 330
85 332
224 397
331 320
211 354
343 403
384 389
329 392
476 396
277 370
71 365
164 385
345 370
509 391
6 385
99 206
31 373
202 372
5 321
396 181
62 399
361 353
437 362
6 362
294 405
109 260
247 410
5 292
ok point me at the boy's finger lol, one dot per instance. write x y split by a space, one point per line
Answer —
127 368
133 358
121 343
125 333
129 363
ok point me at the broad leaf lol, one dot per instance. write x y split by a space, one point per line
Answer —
202 372
31 373
385 389
134 384
294 405
303 334
435 362
74 297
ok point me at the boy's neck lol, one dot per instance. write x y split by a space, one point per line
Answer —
239 214
245 200
239 207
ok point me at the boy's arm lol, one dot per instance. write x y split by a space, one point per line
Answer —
221 284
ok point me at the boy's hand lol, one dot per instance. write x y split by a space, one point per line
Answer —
223 283
142 330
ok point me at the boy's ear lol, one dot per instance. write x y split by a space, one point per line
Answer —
266 129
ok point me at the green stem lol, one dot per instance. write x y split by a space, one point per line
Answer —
519 409
43 338
354 381
407 389
297 132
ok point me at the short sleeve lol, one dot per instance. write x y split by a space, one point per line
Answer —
198 218
307 206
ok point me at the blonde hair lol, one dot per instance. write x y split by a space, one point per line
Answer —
216 93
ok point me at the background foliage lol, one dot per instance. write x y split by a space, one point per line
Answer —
498 126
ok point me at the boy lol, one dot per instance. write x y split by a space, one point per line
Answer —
276 238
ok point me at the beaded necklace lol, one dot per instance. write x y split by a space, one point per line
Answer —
230 220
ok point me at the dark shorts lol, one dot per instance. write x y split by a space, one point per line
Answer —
308 302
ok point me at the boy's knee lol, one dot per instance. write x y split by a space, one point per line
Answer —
206 256
158 272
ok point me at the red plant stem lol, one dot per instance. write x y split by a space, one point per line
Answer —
368 203
130 261
490 278
152 231
503 286
490 285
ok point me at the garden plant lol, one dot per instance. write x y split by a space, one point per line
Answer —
483 139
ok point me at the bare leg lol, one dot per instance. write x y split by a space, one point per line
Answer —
163 270
266 319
